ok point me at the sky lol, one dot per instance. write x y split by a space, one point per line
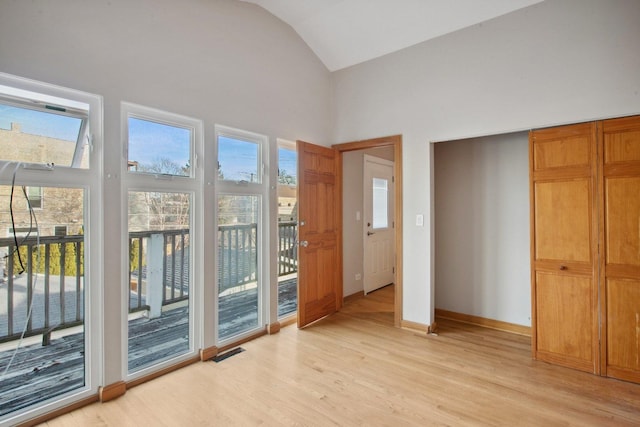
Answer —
40 122
287 161
149 142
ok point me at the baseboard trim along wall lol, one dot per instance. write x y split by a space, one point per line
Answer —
482 321
415 326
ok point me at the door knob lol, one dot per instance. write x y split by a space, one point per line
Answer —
304 243
369 233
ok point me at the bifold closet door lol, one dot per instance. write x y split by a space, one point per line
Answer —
564 237
621 273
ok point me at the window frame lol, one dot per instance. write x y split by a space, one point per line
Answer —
225 187
166 118
150 182
30 100
39 197
90 181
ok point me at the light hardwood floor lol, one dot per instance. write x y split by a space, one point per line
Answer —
354 368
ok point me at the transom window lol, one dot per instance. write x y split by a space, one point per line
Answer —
159 148
49 131
238 159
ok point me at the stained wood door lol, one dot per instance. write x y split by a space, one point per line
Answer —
319 232
564 248
620 282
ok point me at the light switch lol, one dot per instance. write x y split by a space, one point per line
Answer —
419 220
357 215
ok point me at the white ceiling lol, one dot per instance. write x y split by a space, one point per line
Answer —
346 32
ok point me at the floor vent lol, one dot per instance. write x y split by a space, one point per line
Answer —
223 356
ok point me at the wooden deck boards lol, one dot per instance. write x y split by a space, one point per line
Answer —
39 372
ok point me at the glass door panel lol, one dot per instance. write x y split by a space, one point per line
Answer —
239 287
42 295
159 280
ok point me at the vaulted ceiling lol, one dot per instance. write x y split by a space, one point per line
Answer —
347 32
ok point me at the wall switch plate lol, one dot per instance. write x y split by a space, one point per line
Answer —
358 276
419 220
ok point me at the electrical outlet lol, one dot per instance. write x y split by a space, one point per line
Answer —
358 276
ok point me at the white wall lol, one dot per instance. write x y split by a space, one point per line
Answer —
222 61
353 229
559 61
482 227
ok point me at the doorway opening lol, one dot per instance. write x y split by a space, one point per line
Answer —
482 242
352 154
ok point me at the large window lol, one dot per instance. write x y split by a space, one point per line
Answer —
63 332
242 283
49 281
161 236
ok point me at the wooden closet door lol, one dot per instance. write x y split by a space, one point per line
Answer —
620 281
564 235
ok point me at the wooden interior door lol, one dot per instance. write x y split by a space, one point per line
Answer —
621 273
564 239
319 232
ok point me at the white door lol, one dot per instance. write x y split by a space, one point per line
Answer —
379 233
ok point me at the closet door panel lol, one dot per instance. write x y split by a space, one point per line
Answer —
622 221
623 329
564 306
564 241
562 147
622 147
620 280
563 220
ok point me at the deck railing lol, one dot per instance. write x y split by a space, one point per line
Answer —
174 245
44 276
287 248
52 282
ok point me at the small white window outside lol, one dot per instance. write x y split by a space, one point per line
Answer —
35 197
380 203
158 148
